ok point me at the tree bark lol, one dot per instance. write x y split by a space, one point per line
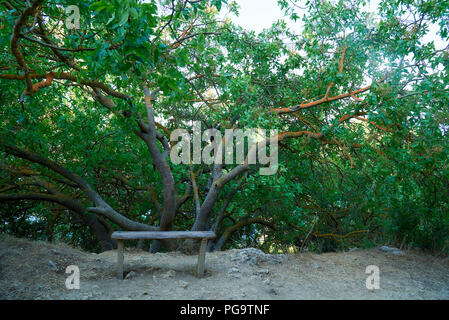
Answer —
150 135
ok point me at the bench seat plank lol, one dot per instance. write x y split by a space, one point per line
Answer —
130 235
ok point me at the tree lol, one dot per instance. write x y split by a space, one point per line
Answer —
362 99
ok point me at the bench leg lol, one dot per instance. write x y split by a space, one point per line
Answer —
120 247
201 258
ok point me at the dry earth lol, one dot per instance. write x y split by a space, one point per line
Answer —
36 270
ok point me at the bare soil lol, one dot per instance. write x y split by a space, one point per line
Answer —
36 270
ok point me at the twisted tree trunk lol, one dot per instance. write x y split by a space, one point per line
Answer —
242 223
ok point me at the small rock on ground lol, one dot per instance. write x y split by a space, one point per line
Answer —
390 250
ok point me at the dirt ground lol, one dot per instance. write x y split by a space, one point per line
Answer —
36 270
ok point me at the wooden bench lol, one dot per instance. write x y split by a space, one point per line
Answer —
121 236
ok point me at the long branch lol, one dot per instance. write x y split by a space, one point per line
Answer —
101 206
14 43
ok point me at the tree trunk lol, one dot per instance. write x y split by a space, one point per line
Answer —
242 223
99 231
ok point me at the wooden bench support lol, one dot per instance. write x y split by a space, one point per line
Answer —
201 258
120 258
203 236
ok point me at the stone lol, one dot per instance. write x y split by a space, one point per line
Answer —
255 256
52 265
169 274
392 250
261 271
234 270
131 275
273 292
183 284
